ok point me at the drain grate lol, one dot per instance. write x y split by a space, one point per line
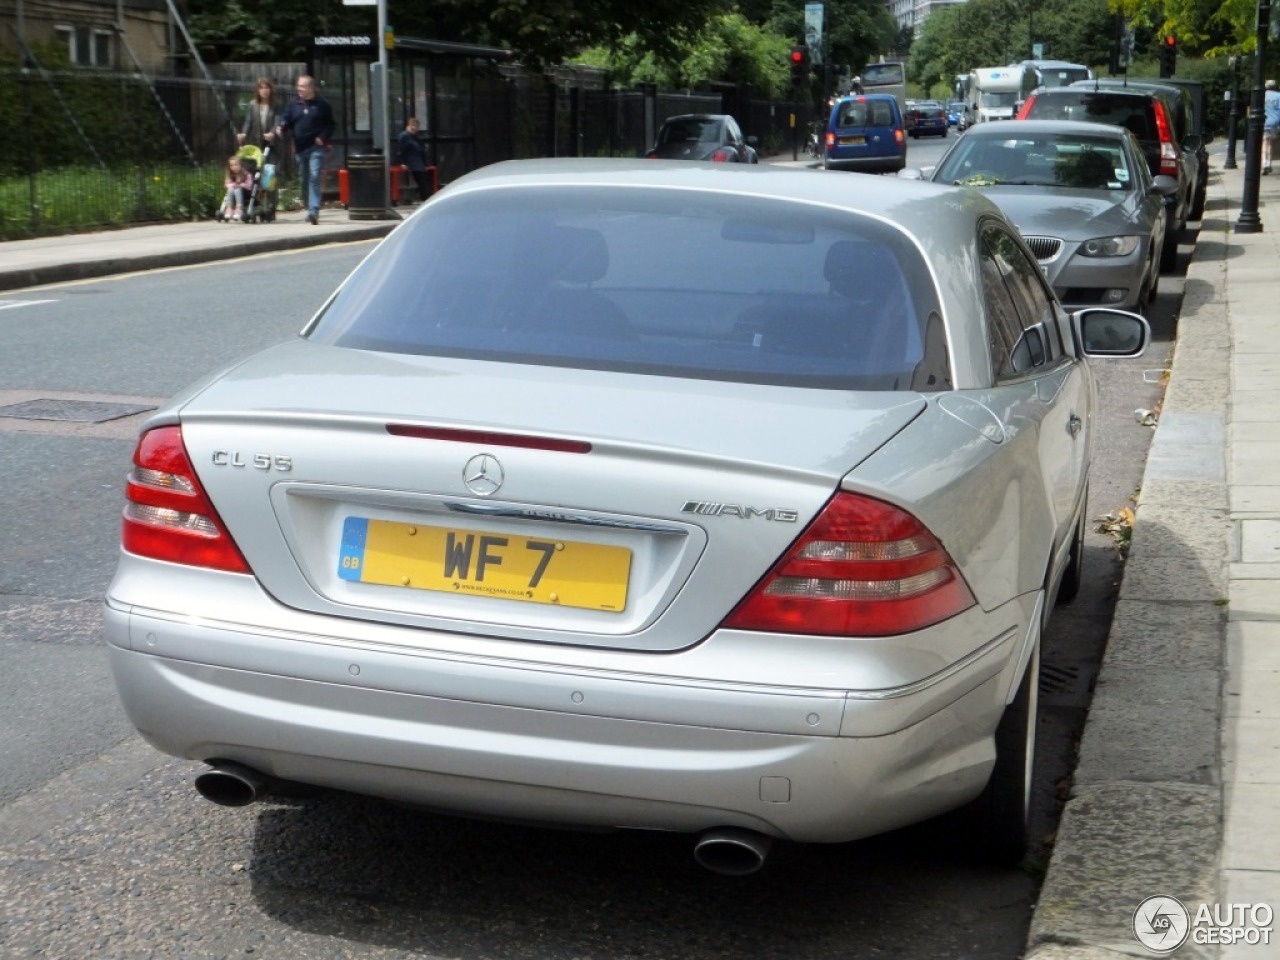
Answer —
1064 684
74 411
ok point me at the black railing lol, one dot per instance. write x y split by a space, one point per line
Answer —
86 150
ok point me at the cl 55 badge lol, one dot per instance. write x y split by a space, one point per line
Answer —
259 461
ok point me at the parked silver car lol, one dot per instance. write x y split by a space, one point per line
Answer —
1083 198
720 499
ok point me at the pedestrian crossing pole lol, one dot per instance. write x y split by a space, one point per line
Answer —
385 42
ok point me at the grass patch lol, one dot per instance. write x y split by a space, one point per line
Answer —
88 198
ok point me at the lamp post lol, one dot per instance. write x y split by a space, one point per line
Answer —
1249 221
1233 115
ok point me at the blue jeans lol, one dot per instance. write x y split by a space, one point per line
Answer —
311 172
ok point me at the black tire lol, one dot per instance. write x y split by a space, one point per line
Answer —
1169 252
1197 205
1073 576
1001 815
1154 290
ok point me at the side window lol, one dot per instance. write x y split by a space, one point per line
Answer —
735 135
1138 169
1021 324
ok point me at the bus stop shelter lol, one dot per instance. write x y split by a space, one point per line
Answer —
454 89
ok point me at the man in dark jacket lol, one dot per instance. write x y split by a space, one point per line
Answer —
310 119
413 156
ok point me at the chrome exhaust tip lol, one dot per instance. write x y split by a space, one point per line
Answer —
232 785
732 852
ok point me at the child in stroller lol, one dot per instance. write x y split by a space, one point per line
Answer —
261 203
238 181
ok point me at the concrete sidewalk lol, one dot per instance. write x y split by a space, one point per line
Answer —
29 263
1177 787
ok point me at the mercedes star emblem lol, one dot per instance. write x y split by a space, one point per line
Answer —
483 475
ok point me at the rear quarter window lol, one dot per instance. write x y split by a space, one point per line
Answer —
864 113
650 281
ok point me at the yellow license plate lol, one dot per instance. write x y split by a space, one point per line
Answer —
852 141
480 563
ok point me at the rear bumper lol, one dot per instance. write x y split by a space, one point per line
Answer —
583 747
885 163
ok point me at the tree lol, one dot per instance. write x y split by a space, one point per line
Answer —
988 33
728 48
539 31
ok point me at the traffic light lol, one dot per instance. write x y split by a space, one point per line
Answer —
799 65
1168 55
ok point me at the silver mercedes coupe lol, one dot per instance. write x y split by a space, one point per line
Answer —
721 499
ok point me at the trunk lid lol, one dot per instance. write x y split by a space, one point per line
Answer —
475 523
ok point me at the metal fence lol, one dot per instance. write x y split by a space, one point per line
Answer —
85 150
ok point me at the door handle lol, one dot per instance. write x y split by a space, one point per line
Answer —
1074 424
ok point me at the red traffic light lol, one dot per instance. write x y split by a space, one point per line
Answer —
799 55
1170 41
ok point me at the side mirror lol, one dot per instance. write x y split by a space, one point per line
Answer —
1165 185
1106 332
753 139
911 173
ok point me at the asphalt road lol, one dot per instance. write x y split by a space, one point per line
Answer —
106 851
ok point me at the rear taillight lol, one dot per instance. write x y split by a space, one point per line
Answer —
830 138
1026 107
1168 149
863 568
720 156
899 136
168 516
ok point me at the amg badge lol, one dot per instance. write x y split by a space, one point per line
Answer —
705 509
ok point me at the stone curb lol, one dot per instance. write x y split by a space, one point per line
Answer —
108 266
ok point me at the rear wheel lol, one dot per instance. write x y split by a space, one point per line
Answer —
1002 812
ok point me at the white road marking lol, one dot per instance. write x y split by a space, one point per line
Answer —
10 304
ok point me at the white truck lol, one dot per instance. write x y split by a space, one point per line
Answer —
996 93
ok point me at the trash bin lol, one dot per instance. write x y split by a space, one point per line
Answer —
366 186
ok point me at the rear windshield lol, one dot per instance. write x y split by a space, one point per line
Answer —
883 73
864 113
651 281
1119 110
690 129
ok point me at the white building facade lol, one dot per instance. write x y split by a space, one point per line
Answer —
914 13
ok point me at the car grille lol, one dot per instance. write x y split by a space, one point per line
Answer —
1044 248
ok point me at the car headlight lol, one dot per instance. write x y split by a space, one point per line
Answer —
1109 247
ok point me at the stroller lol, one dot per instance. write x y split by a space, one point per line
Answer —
261 205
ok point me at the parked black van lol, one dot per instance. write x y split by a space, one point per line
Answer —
1190 124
